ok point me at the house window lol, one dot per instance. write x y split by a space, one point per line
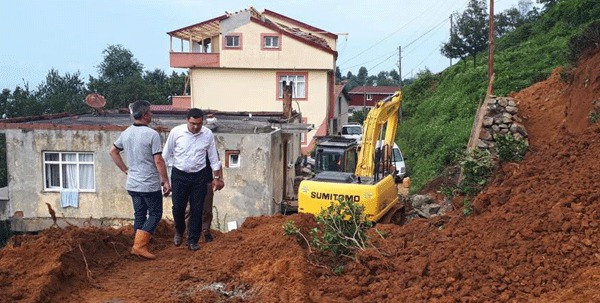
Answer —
73 170
233 41
299 85
232 158
369 97
271 41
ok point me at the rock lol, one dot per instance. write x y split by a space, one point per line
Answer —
512 109
433 209
485 134
488 121
504 131
495 128
507 116
419 200
503 126
481 144
517 136
506 120
519 128
512 102
503 102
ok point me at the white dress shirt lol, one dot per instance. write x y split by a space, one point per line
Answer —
187 151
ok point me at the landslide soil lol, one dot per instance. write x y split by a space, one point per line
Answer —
534 236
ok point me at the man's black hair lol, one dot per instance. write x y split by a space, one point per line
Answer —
195 113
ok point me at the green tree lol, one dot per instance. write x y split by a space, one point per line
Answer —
338 75
22 102
120 78
157 86
361 78
176 84
455 49
62 94
395 76
548 3
471 35
4 97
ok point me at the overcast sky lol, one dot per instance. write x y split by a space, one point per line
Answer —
70 35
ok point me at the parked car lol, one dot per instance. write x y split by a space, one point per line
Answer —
397 160
352 131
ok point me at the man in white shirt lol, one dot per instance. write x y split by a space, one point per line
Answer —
186 149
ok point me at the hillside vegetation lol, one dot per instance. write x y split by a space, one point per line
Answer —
439 109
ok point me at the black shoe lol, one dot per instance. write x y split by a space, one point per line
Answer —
193 247
208 237
177 239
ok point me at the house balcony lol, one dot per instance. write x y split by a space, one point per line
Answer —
181 101
189 60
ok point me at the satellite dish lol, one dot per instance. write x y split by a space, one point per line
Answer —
95 101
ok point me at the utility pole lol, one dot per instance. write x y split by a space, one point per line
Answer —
400 67
451 35
491 49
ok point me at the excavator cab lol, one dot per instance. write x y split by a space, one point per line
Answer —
336 154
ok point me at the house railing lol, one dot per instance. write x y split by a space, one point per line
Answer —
189 60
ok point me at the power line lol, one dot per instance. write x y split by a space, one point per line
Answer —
361 64
402 27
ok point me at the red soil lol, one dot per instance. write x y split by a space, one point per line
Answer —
534 236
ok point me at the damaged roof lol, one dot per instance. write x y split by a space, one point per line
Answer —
300 31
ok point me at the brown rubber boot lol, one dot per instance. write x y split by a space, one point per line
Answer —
140 245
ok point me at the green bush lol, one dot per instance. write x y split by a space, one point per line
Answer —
478 166
467 208
342 229
587 41
510 149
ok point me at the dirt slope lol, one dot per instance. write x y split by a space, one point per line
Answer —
534 237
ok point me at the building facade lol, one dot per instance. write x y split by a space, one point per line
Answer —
240 62
64 162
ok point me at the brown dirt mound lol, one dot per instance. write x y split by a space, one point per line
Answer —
534 237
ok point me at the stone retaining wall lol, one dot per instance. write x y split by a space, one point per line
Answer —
501 117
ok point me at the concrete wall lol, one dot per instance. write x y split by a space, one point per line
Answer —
255 188
256 90
26 182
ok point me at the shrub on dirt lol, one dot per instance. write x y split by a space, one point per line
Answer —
510 149
478 166
342 230
585 43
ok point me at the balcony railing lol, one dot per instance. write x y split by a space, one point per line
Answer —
188 60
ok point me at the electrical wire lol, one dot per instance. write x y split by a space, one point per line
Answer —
394 32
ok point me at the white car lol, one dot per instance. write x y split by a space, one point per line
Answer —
352 131
397 160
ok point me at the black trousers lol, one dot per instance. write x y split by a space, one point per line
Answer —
188 187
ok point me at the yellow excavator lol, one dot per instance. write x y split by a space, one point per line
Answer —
373 182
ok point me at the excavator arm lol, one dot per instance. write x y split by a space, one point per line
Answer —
385 113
